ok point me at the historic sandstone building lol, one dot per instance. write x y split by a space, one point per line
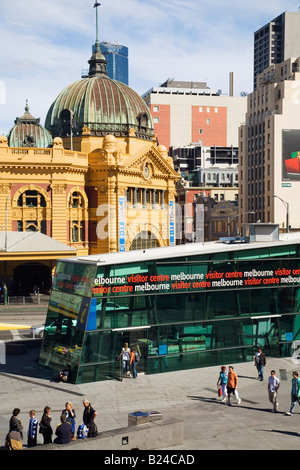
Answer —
93 179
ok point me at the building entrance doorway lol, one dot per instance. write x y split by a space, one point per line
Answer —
31 278
137 339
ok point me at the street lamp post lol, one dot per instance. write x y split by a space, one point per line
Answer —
229 219
286 204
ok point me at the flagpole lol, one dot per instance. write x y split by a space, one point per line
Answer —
96 6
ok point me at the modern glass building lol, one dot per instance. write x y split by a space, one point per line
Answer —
182 307
117 61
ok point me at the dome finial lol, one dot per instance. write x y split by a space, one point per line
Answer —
98 63
97 35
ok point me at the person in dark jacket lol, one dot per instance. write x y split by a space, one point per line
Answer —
14 423
63 431
260 362
89 414
45 425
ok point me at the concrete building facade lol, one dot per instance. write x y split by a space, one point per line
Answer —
185 113
269 147
276 42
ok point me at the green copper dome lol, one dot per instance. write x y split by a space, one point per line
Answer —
103 105
28 132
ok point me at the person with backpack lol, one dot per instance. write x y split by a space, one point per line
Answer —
134 359
89 415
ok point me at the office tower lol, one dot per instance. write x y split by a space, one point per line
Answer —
186 113
117 61
269 147
276 42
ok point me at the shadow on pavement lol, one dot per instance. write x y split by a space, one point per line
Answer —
25 365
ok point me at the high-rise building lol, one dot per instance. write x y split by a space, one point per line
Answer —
269 147
117 61
187 113
276 42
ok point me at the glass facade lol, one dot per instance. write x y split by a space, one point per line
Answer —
117 61
180 313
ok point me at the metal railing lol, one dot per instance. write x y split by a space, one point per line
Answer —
26 300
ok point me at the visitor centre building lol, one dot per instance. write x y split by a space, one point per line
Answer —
181 307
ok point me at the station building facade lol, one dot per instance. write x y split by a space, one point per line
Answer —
93 178
182 307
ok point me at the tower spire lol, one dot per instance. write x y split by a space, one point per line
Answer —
97 44
98 63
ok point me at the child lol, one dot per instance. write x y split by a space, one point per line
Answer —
223 378
32 430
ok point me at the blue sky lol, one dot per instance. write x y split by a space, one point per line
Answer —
45 45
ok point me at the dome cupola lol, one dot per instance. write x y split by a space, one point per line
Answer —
28 132
103 105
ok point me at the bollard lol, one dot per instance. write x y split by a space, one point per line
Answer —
4 294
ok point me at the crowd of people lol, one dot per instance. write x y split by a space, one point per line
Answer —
65 430
228 381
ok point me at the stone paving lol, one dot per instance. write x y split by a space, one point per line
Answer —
190 396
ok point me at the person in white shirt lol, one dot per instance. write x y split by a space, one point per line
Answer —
273 386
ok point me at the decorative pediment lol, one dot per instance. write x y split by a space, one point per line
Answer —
149 164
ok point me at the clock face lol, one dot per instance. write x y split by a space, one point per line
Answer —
146 172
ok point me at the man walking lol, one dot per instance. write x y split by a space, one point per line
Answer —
295 393
260 362
273 386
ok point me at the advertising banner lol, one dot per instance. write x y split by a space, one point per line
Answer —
291 154
196 278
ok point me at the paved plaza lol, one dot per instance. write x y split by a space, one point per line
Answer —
190 396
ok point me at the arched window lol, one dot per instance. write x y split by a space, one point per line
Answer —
144 240
31 199
77 207
31 212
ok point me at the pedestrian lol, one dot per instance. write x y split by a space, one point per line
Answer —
260 362
63 431
125 354
295 393
133 362
232 383
222 381
14 422
89 415
63 376
45 425
273 386
13 441
70 415
32 429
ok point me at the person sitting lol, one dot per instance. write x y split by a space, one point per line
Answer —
64 375
63 431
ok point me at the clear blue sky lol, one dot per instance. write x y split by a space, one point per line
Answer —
45 45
